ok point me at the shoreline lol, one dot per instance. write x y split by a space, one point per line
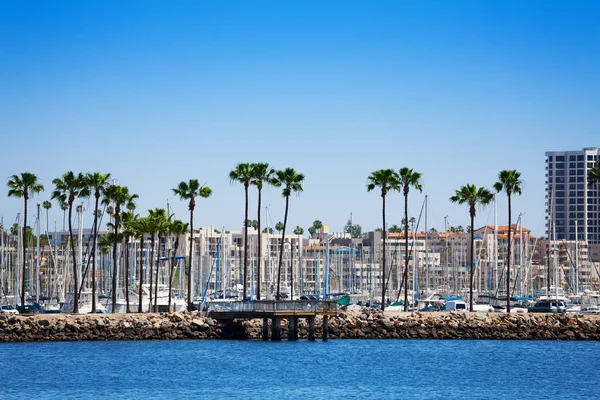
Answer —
371 324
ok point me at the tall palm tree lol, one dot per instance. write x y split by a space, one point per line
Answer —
386 179
119 196
177 228
509 181
408 178
262 174
67 189
472 196
24 186
292 183
189 191
97 183
243 173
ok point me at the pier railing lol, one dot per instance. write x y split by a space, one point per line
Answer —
271 306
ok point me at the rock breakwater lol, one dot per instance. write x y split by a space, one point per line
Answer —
372 324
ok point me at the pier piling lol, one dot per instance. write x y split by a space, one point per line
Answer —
276 329
265 329
311 328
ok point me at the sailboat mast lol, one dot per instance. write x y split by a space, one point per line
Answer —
37 257
576 274
426 255
495 244
521 251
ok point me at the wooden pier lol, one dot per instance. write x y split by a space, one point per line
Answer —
276 311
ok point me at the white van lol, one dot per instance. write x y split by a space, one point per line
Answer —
456 305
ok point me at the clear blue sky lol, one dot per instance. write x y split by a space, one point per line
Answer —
157 92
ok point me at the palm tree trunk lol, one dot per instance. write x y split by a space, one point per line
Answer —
150 274
24 250
245 243
383 258
126 271
258 270
508 261
406 255
141 275
172 262
97 196
157 269
189 268
114 275
75 280
471 263
287 201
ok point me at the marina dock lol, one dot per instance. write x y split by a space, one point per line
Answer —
275 311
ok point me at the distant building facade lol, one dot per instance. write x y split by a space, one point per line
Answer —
572 207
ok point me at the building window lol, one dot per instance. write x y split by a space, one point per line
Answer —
580 179
560 165
561 187
550 158
560 158
572 158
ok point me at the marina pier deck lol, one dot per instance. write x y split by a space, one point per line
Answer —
276 311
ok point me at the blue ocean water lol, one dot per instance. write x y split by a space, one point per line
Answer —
338 369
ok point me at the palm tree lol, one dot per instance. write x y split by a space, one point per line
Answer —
291 182
262 174
472 196
299 230
68 188
386 179
279 226
118 196
407 178
243 173
177 228
189 191
97 183
509 181
24 186
395 229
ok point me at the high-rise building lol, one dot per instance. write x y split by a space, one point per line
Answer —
571 204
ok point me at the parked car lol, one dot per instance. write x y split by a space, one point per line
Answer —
30 309
548 306
8 309
590 310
